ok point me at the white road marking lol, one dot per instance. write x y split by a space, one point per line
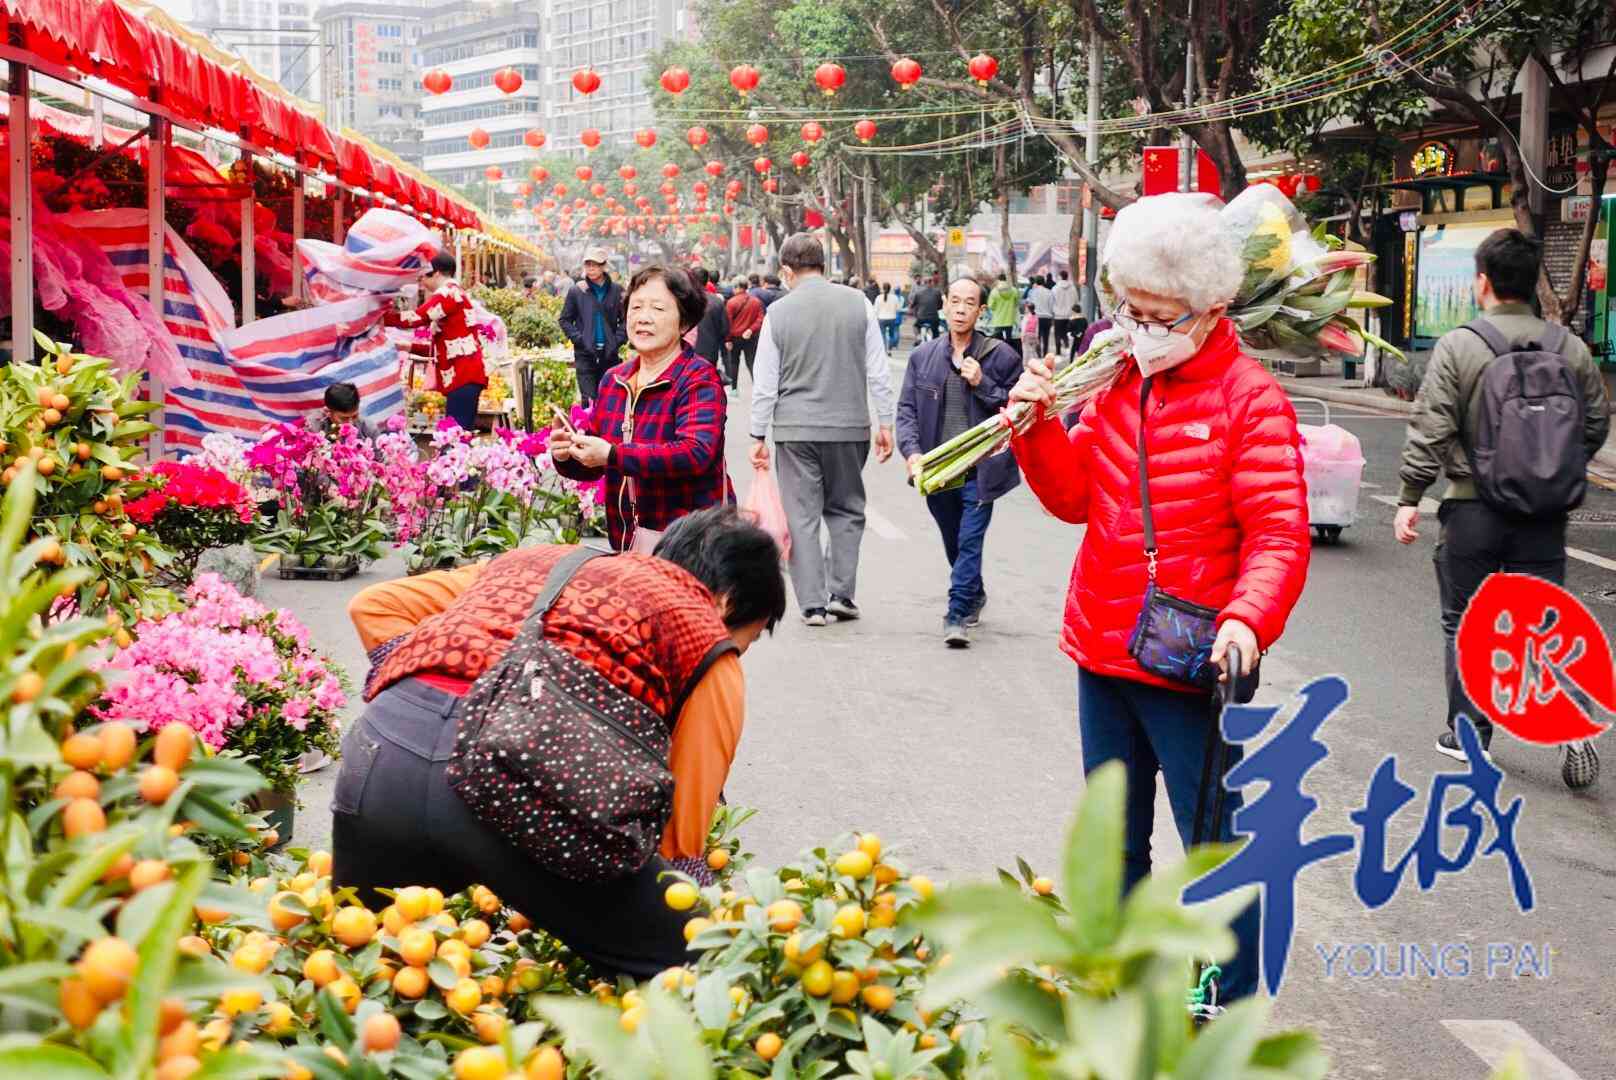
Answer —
1491 1040
1430 506
882 526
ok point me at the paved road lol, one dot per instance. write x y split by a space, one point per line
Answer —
963 760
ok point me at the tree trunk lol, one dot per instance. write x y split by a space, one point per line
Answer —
1572 301
1001 181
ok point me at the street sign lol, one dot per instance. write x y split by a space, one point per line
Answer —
1576 208
956 237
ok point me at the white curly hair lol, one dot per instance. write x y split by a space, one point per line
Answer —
1174 245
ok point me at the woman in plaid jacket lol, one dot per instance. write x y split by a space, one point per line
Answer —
656 431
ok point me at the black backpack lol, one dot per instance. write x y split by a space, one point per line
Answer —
560 762
1526 454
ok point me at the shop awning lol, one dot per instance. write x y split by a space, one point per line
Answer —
138 47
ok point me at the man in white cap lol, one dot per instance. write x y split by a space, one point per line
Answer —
592 319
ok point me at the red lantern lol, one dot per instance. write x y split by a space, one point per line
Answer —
697 137
801 160
646 137
812 131
584 172
517 204
590 138
628 172
762 165
560 191
586 82
508 79
539 173
830 77
667 187
631 189
699 189
437 81
744 78
757 134
1311 182
982 68
525 188
675 80
715 168
670 170
865 130
771 185
597 190
732 189
478 138
534 138
906 73
494 172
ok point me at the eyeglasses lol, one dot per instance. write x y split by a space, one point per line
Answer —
1150 329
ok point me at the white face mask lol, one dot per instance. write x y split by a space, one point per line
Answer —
1155 355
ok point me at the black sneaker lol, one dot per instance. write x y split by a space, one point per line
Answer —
1580 768
1448 743
974 619
955 636
842 608
814 616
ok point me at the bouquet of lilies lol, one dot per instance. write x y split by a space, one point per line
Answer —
1294 301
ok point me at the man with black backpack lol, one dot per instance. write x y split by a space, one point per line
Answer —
1511 409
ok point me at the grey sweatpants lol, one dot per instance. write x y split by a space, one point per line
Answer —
823 481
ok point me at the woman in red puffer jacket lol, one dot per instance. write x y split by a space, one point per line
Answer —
1227 498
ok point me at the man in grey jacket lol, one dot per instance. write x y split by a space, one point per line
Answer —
820 358
1476 540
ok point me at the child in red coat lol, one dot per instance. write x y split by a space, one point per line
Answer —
456 348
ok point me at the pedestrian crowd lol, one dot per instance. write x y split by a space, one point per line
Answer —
1185 473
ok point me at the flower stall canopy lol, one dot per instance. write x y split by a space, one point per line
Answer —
141 49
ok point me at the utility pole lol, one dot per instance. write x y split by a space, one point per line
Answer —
1186 145
1091 209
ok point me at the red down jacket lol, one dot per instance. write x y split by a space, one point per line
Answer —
1226 493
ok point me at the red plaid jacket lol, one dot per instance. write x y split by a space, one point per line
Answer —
667 441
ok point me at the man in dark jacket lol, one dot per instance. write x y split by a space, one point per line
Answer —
592 319
952 384
927 307
713 330
770 291
1474 540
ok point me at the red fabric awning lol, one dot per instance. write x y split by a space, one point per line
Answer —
105 39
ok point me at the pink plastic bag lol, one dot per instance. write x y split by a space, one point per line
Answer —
764 507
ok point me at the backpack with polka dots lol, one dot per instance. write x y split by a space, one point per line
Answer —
563 764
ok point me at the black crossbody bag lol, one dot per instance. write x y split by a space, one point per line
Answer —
1173 636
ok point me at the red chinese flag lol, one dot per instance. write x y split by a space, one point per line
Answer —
745 240
1161 171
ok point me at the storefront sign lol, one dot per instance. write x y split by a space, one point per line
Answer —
1560 158
1576 208
1434 158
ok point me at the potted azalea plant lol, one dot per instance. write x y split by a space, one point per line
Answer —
192 508
244 678
329 496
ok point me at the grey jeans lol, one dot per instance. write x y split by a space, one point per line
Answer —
823 482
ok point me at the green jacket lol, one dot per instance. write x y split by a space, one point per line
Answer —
1448 406
1003 302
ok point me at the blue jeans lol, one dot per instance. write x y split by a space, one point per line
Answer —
963 520
1151 729
889 331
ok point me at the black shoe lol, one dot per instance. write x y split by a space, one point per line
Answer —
842 608
955 636
814 616
974 619
1580 769
1448 743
